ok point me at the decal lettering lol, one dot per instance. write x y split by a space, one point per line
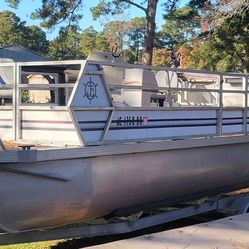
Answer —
132 120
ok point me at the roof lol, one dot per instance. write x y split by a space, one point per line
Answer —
19 53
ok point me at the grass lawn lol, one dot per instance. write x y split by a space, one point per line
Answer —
37 245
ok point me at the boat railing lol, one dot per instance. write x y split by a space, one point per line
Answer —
218 85
34 97
208 103
93 102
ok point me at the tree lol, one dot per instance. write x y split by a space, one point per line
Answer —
101 42
11 29
91 41
215 12
161 57
35 39
181 26
116 33
135 38
66 45
149 8
14 31
71 43
54 12
226 48
226 9
88 41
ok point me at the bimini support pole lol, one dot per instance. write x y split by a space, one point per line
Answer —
2 145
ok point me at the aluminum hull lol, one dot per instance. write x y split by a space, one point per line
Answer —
51 193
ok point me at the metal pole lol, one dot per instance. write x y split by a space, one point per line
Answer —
245 114
14 102
220 110
17 103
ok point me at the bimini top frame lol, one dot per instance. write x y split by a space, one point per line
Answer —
94 102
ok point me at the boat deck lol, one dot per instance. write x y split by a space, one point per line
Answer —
42 153
229 233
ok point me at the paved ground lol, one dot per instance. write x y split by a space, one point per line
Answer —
227 233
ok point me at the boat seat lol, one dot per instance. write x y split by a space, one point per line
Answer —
113 75
166 79
140 78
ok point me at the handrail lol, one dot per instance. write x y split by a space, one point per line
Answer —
179 70
6 87
46 86
165 88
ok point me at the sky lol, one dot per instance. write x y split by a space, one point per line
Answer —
26 7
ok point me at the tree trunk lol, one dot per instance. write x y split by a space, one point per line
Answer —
149 35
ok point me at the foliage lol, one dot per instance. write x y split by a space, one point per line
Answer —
72 43
215 12
14 31
184 52
11 29
226 9
181 26
88 41
13 3
223 47
92 41
149 8
135 38
161 57
227 47
54 12
116 33
35 39
66 45
37 245
101 42
25 96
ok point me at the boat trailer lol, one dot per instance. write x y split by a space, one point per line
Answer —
227 204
